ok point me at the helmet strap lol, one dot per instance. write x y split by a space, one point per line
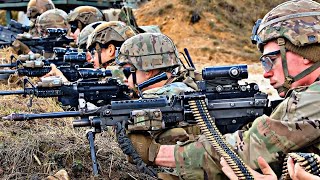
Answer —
98 49
135 84
288 78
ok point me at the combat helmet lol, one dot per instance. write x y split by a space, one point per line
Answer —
54 18
109 31
84 15
84 34
147 51
37 7
294 25
113 32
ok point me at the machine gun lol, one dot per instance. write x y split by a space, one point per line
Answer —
9 33
96 92
232 106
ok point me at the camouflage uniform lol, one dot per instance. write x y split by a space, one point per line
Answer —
294 125
169 90
36 8
145 52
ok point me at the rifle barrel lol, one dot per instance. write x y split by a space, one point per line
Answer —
8 65
10 71
4 93
83 122
24 117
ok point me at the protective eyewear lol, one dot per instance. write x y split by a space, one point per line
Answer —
73 26
127 71
267 60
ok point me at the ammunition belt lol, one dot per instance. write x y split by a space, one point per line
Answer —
309 161
210 130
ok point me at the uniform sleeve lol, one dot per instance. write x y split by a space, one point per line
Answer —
293 125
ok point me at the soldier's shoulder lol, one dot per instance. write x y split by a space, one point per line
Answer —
178 85
314 87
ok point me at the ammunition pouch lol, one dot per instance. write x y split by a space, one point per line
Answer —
146 120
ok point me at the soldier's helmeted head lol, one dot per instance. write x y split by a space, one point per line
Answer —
108 35
82 16
84 34
83 38
294 26
54 18
148 51
37 7
147 55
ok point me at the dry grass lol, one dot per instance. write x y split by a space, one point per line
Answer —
38 148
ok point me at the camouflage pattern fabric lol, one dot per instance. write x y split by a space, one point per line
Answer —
293 125
117 73
54 18
174 135
37 7
33 29
86 15
149 51
169 90
109 31
297 22
84 34
300 30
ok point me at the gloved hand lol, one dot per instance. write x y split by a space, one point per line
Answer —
20 48
56 72
129 149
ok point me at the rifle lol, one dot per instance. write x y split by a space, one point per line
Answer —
232 106
96 92
9 33
70 66
62 56
56 38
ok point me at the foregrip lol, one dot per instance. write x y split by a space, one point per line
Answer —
34 72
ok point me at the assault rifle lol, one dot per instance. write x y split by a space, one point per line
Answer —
232 105
74 94
73 66
62 56
9 33
56 38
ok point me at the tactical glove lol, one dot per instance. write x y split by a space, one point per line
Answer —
20 48
129 149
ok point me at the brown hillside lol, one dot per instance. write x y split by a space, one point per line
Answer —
222 36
